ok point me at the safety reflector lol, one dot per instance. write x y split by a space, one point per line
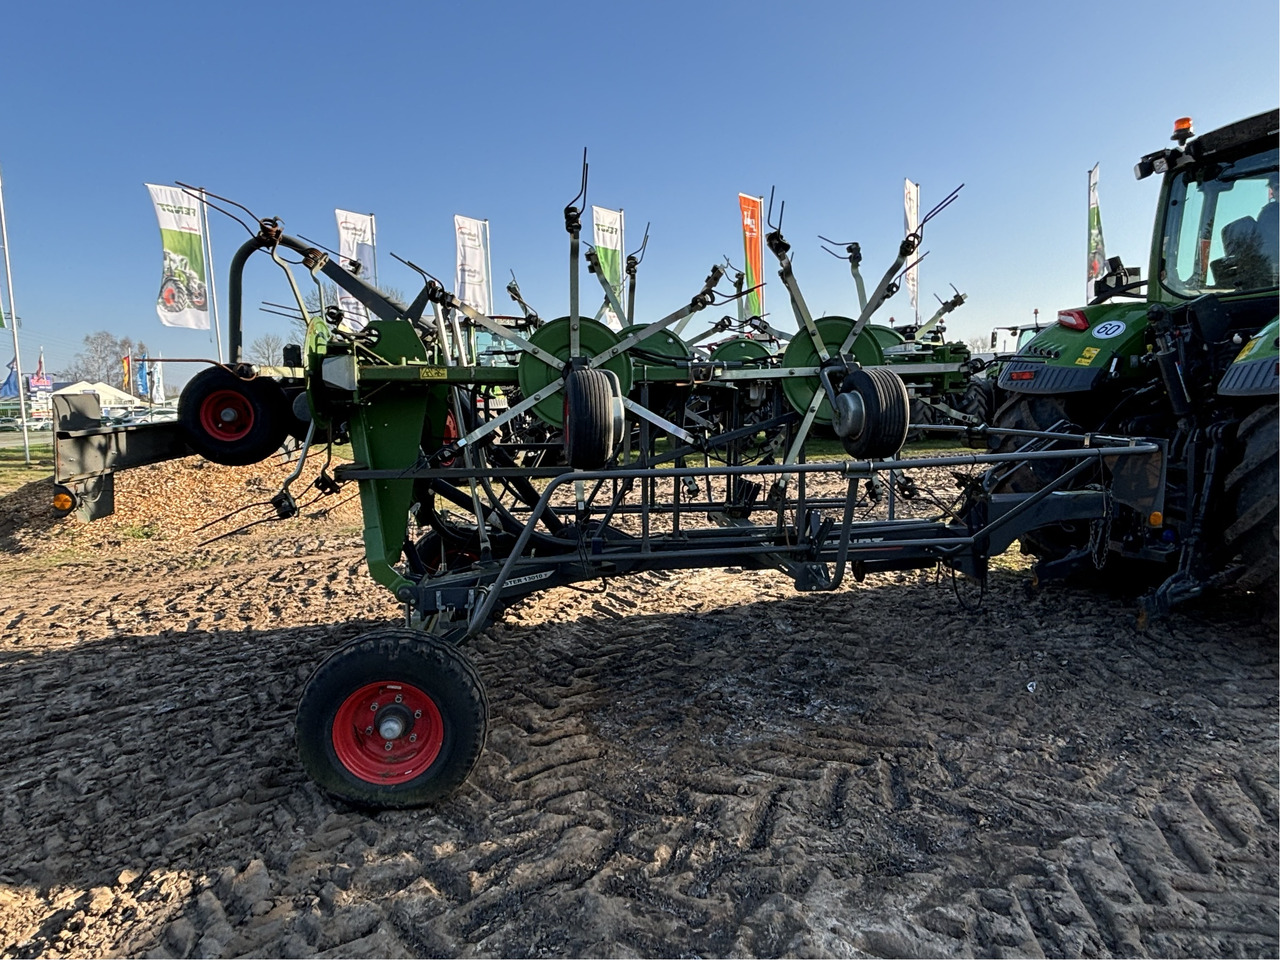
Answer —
1022 375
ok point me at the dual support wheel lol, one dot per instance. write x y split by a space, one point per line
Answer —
872 413
395 718
592 418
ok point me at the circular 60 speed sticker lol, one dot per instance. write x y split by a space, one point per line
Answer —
1109 329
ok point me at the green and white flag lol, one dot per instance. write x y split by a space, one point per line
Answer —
183 300
1097 248
607 225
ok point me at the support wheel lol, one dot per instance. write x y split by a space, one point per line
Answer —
394 718
589 428
233 421
886 413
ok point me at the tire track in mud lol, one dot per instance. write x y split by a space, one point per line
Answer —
866 772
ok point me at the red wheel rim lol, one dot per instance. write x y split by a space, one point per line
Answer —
170 295
227 415
387 732
451 435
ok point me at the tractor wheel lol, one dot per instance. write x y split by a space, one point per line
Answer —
1251 494
172 296
588 419
395 718
233 421
886 414
921 415
979 400
1036 413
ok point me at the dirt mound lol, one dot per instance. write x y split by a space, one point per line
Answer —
188 500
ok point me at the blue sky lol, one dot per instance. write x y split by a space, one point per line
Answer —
416 112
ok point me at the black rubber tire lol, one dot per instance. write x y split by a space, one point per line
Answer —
921 416
887 405
260 417
588 419
1024 412
1250 491
979 400
394 656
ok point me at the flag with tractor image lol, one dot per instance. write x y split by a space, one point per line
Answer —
753 248
1097 249
184 299
607 227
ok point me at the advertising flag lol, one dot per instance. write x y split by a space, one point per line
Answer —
142 387
184 299
753 246
471 280
607 226
40 382
911 214
9 388
357 237
127 365
157 381
1097 249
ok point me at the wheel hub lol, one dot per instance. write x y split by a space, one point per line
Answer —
227 415
387 732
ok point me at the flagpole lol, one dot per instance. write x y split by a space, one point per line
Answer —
373 244
13 317
488 263
210 273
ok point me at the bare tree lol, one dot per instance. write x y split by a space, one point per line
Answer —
267 350
979 344
102 359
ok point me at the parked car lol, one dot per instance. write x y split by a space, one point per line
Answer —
10 424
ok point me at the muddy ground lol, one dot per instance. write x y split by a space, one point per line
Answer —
698 764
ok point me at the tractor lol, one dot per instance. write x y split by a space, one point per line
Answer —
1186 356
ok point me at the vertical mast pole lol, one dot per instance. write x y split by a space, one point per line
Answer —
13 319
210 273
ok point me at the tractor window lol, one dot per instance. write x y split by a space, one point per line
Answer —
1220 228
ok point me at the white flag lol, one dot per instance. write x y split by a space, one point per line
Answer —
471 282
157 380
356 241
184 299
911 214
607 226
